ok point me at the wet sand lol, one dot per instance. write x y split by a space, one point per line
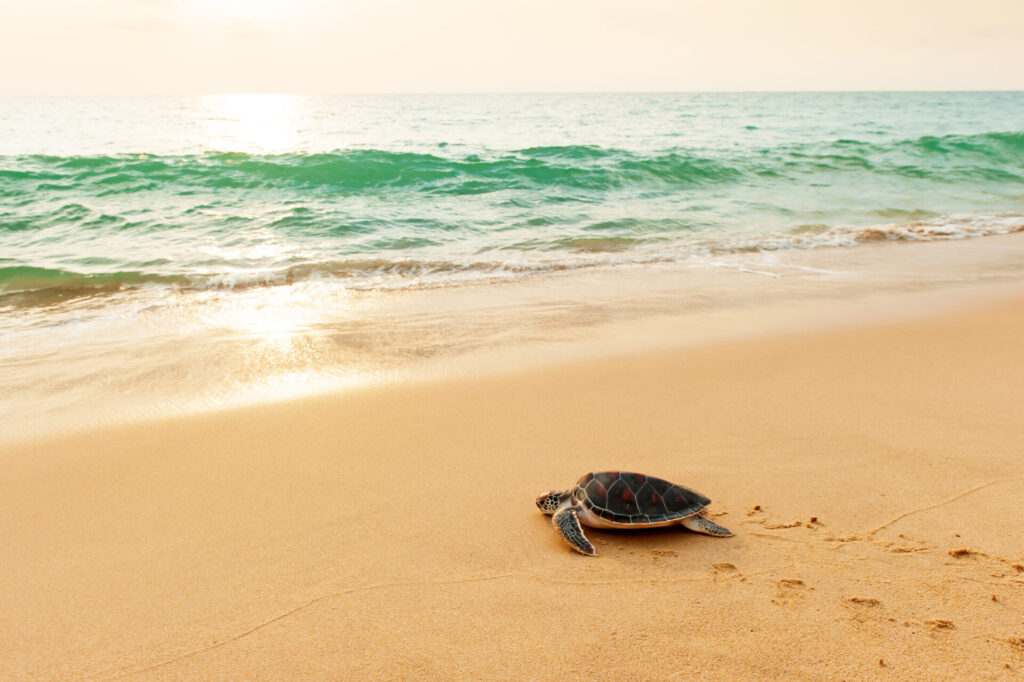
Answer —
193 352
871 475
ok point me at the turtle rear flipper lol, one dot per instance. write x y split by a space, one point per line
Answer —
567 522
699 523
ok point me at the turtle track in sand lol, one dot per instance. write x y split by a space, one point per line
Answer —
969 597
964 596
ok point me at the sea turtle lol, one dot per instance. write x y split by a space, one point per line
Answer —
614 499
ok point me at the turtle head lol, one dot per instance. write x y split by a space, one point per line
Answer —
548 502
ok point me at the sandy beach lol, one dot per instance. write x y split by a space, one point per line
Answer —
871 475
305 306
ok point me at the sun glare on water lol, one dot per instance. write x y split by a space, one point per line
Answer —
256 123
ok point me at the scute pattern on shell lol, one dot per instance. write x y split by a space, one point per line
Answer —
626 497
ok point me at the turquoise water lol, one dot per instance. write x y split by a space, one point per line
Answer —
108 194
214 249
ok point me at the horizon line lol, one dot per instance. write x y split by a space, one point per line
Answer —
213 93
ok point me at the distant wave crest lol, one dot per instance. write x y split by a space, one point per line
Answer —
572 168
995 156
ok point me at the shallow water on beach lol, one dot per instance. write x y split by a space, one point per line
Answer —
159 252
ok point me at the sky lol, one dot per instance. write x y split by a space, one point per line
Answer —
370 46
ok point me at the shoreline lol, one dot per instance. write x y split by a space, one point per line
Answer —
870 472
283 343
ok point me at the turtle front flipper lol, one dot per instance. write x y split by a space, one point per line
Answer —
567 522
699 523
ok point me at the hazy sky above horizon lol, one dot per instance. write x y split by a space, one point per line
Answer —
342 46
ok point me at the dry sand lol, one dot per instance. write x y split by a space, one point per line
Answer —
872 476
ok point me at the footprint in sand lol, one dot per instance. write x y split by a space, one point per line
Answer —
964 553
864 608
757 515
940 624
726 570
777 526
906 546
998 566
658 554
789 589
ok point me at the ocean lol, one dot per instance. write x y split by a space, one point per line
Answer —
213 245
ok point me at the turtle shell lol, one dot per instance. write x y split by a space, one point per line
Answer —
629 498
